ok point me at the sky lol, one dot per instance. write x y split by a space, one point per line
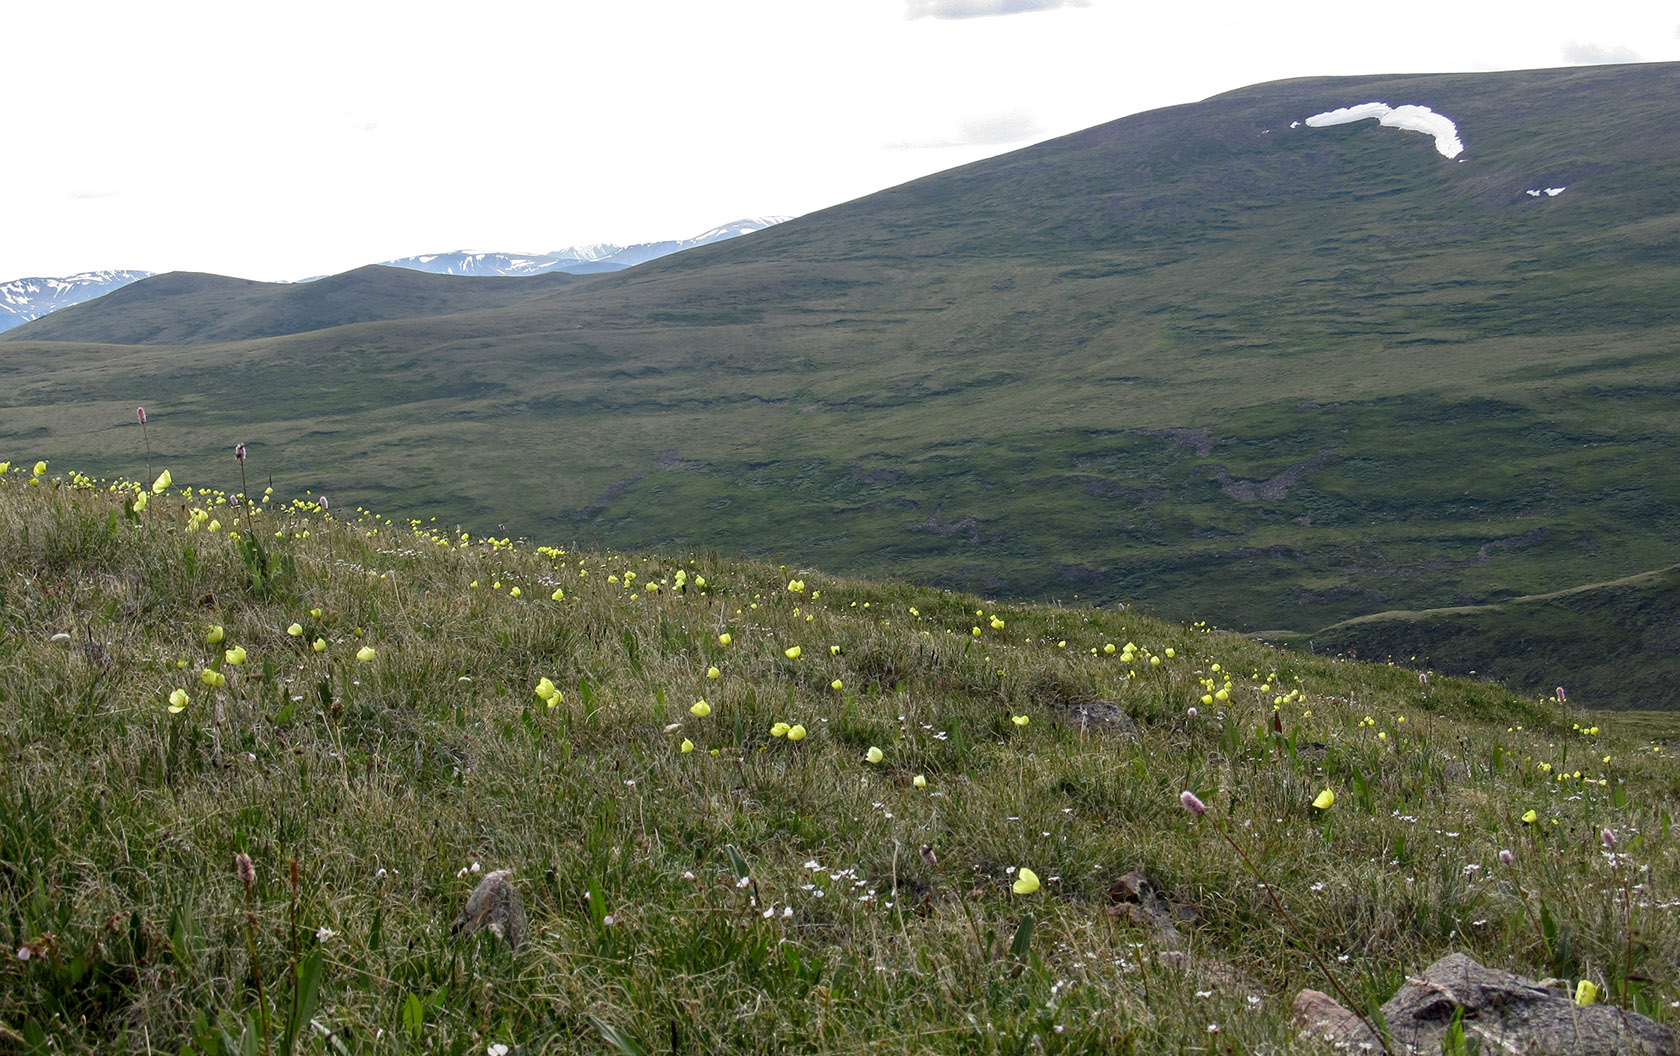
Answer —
277 141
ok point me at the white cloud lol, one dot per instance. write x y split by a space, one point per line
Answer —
983 8
1598 54
990 131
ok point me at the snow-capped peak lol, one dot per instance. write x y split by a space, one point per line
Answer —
24 299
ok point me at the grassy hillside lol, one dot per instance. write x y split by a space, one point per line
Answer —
187 308
1268 376
370 728
1617 644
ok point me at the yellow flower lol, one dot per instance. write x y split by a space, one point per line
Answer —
140 502
687 746
700 709
178 701
1530 817
874 754
557 595
834 650
159 486
836 685
920 781
1171 652
1019 720
1109 648
780 729
514 593
215 634
724 639
1585 992
1026 882
792 652
365 654
212 679
1326 799
236 655
796 585
545 690
315 613
41 469
319 645
796 732
295 630
997 624
712 672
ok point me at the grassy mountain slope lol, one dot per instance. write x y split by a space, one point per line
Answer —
187 308
1616 644
381 746
1270 376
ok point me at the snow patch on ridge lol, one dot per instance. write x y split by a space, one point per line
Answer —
1411 118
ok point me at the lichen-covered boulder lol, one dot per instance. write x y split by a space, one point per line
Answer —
1505 1013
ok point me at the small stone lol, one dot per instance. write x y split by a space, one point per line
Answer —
494 906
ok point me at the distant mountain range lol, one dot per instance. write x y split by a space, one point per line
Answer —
576 260
22 300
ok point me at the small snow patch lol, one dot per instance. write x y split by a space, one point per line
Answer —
1412 118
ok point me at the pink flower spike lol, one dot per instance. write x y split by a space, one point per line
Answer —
140 413
1609 839
246 871
1506 857
1191 803
1561 695
239 452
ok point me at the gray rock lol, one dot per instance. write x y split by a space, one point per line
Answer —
1096 716
1134 897
1505 1013
494 906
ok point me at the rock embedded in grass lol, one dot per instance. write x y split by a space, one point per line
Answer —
1503 1011
494 906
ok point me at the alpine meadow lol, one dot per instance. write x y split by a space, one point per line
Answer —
1205 584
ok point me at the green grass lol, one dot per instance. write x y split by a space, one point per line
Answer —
386 780
1275 378
1613 644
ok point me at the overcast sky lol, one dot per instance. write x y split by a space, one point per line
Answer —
281 140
